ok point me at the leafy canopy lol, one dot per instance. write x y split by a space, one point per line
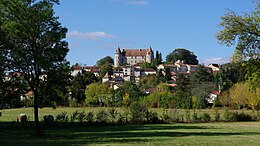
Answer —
32 40
183 55
242 31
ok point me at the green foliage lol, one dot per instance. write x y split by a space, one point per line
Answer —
195 117
244 29
138 112
152 117
174 116
201 75
230 74
54 90
182 100
182 83
205 117
74 116
200 92
62 117
235 116
90 117
217 116
82 116
187 116
160 75
79 83
113 114
252 72
148 65
129 90
242 96
98 94
167 74
182 55
102 116
158 58
105 60
34 41
153 100
150 81
159 99
106 68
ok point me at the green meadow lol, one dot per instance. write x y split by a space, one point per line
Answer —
214 133
238 133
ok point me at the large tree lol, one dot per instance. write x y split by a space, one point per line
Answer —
33 40
181 54
242 31
105 60
106 66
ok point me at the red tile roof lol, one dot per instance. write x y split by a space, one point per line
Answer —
136 52
215 92
76 67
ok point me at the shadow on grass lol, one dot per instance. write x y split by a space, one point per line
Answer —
131 134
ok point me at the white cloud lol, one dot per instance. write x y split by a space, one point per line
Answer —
137 2
90 35
218 60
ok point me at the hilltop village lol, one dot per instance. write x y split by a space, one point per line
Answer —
128 67
134 64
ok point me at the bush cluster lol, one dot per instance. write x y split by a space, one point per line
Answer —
138 113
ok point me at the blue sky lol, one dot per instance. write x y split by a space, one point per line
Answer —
98 27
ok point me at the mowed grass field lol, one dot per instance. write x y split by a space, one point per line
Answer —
239 133
215 133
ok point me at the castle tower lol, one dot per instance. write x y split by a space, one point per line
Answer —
117 58
149 55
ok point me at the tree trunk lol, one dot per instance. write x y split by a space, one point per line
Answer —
36 114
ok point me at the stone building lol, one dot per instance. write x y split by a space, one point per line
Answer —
132 56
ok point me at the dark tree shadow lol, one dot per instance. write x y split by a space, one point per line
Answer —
84 135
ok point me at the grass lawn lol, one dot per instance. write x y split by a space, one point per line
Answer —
239 133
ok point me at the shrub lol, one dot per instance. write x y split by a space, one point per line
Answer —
138 112
166 118
113 114
243 116
90 117
74 116
217 116
152 117
205 117
124 116
187 116
48 119
102 116
195 117
175 116
227 115
258 115
62 117
235 116
82 116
